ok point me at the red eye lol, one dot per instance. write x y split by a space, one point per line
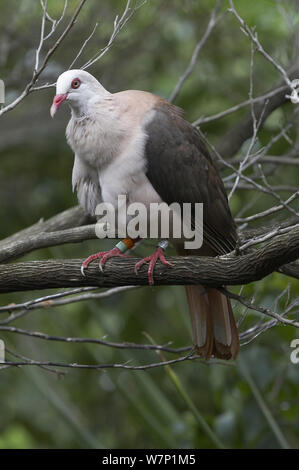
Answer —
76 83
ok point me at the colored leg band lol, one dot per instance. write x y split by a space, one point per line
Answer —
163 244
125 244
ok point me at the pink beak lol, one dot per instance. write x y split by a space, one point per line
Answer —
58 99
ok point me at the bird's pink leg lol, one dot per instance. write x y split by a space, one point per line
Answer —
152 259
103 256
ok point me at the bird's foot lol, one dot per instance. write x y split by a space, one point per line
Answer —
103 256
152 259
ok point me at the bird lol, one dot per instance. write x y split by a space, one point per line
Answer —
136 143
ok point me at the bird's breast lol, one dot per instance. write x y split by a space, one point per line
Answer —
116 158
126 176
94 142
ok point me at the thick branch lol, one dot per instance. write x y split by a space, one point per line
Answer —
20 247
291 269
233 270
70 218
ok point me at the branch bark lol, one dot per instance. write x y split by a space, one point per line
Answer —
31 242
230 270
70 218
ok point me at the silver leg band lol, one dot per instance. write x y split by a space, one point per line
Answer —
163 244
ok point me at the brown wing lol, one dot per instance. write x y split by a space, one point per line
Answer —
181 170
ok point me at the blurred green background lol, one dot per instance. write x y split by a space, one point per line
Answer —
251 404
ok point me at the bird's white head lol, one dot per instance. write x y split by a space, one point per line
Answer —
76 87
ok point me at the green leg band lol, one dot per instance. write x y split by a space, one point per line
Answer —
121 246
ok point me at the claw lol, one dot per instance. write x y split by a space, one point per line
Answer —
103 256
152 259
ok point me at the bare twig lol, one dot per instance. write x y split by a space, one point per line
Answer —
212 22
84 45
113 366
279 318
37 72
119 24
68 339
255 124
269 211
53 300
254 38
237 107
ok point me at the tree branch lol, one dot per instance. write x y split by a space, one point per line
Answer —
231 142
34 241
37 71
227 270
198 47
70 218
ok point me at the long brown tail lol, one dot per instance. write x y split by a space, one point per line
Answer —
214 329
